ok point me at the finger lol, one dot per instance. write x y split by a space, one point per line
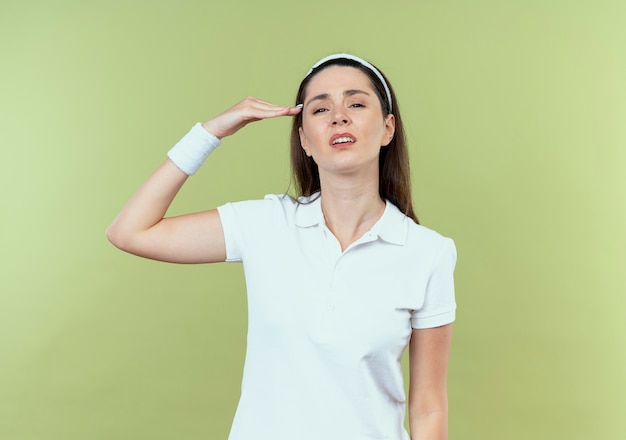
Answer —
288 111
266 106
272 111
259 103
252 102
294 111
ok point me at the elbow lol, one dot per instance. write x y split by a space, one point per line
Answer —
432 406
126 239
112 236
429 424
116 237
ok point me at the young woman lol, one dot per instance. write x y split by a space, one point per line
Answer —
340 280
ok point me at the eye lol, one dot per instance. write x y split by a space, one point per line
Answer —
320 110
356 105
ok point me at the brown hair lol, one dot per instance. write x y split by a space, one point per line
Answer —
394 182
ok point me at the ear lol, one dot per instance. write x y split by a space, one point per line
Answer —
390 130
303 142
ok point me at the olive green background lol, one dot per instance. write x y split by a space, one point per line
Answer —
515 113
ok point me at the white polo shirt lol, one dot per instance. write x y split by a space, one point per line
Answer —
326 328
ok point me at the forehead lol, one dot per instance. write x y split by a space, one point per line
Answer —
338 78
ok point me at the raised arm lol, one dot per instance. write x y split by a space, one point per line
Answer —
141 228
429 352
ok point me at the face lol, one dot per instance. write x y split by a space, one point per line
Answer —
343 127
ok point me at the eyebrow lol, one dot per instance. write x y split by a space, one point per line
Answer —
350 92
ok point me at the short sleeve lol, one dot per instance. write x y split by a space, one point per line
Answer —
251 224
439 306
232 236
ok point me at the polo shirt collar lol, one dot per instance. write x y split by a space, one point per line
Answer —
392 226
309 211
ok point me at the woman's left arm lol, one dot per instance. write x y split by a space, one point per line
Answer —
429 352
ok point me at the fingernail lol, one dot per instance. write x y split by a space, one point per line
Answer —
299 105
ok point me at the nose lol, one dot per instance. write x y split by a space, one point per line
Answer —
340 117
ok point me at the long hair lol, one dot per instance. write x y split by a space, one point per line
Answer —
394 182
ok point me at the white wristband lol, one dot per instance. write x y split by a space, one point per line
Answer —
191 151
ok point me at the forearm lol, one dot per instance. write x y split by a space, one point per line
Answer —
428 396
141 229
148 205
430 426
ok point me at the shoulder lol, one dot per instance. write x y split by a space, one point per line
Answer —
399 228
425 240
268 209
270 201
425 234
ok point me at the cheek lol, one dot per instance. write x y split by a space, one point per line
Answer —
309 131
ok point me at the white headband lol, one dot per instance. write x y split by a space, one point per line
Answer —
362 62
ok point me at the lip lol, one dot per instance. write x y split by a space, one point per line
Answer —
340 135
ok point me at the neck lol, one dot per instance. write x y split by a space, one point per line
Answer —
351 207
